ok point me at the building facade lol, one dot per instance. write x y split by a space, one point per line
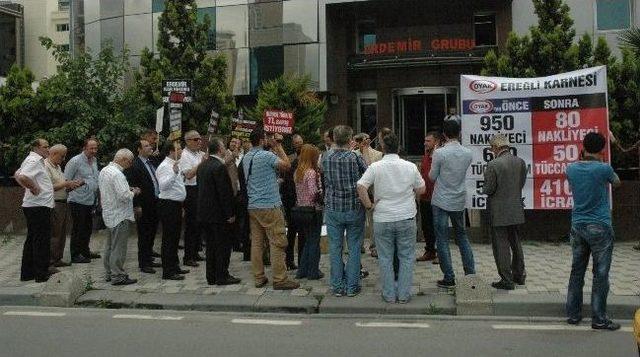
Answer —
48 18
598 18
11 36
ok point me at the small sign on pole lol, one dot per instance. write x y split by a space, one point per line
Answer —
278 121
178 88
241 128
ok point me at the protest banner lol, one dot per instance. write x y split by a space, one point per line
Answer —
545 120
241 128
278 121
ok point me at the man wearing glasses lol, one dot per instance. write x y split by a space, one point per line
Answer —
191 158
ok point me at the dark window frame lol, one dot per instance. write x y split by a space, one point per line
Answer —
373 22
495 24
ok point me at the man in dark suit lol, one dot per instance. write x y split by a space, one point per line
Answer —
216 214
142 174
504 179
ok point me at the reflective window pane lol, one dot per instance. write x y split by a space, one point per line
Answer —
613 14
137 33
485 29
231 2
111 30
266 63
300 21
231 26
205 3
157 5
237 70
211 13
303 60
111 8
132 7
265 24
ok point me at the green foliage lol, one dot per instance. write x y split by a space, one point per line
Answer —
291 93
549 49
182 54
86 98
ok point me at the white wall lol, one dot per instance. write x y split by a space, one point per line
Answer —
40 19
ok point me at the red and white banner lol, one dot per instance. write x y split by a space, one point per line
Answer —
544 118
278 121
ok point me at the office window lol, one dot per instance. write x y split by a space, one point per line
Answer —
484 26
265 24
111 31
266 63
63 5
231 26
366 35
157 5
237 69
111 8
303 60
62 27
300 21
211 35
613 14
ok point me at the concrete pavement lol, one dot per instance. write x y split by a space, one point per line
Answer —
548 267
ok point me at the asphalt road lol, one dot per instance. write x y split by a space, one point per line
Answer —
95 332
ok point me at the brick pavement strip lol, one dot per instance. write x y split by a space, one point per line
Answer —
548 267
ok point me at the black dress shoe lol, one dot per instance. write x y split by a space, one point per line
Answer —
80 259
45 278
155 265
155 255
519 281
503 285
228 281
94 255
125 281
174 277
148 270
183 271
191 263
199 258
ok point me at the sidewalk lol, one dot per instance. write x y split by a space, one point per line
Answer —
548 267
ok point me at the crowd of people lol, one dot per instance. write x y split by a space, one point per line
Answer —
253 197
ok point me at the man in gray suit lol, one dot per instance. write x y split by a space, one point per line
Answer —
504 179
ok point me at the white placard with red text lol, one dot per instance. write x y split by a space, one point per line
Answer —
278 121
545 120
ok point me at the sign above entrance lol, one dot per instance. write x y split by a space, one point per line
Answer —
411 45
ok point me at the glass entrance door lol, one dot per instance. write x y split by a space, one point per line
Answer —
419 111
367 114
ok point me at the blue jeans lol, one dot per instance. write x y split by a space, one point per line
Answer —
441 228
338 223
309 224
397 236
594 239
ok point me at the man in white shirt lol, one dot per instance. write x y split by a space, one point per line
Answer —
172 194
191 158
448 170
116 198
397 183
37 205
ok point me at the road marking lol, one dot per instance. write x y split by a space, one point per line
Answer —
392 324
267 322
34 313
551 328
148 317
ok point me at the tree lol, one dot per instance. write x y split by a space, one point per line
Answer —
549 49
85 98
182 53
291 93
630 39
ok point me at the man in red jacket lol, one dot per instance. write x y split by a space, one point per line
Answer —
432 141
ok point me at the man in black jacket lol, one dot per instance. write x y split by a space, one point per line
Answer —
142 174
216 214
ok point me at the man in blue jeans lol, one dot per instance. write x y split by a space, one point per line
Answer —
397 183
448 170
342 168
591 231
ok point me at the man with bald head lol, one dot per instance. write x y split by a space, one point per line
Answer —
60 215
